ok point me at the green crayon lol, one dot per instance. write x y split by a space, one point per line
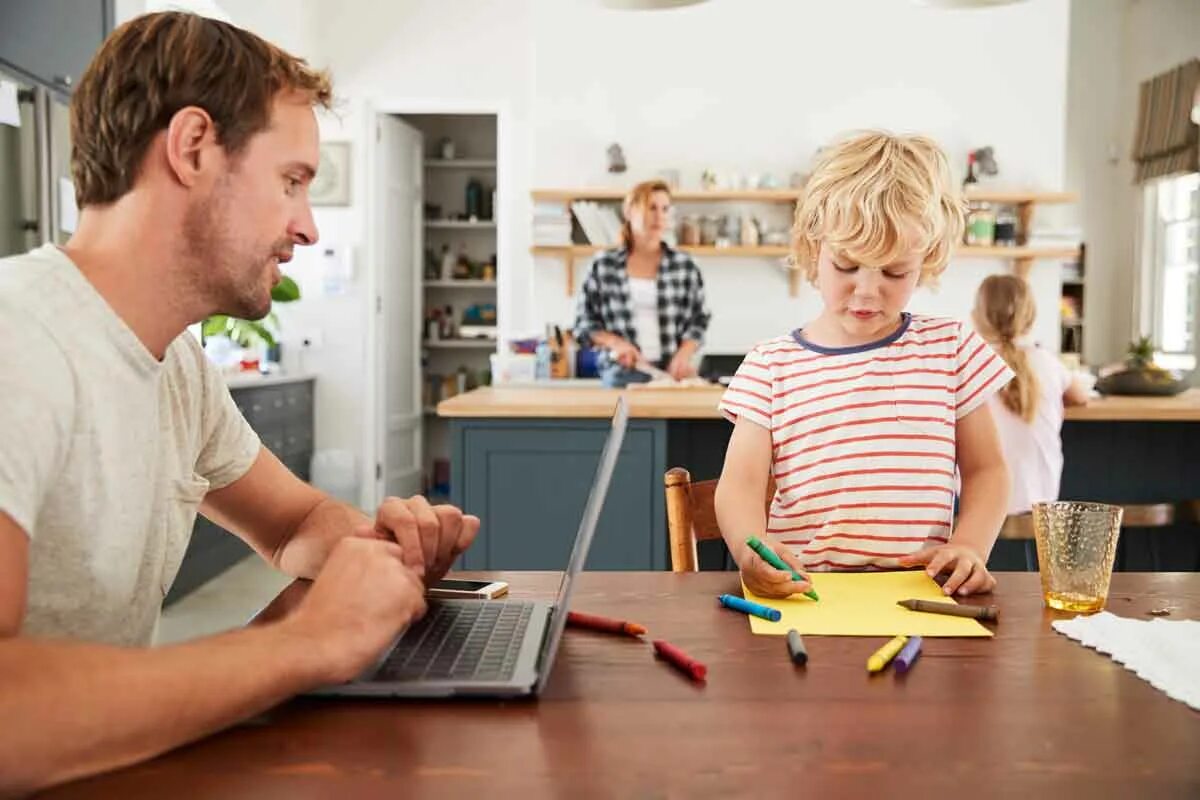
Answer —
768 555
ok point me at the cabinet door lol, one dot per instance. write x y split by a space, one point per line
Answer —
529 481
52 41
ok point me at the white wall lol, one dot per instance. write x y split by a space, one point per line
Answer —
757 87
1115 45
731 85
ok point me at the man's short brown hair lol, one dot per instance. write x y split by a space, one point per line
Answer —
156 64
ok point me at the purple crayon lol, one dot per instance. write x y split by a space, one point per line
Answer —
907 655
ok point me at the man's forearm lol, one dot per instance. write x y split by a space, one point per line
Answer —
302 554
984 503
75 709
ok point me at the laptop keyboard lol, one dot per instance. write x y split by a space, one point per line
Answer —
468 640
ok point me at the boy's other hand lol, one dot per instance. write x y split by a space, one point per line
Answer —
766 581
968 570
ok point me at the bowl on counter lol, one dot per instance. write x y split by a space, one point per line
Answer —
1142 381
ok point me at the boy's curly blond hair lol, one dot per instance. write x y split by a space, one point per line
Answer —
876 198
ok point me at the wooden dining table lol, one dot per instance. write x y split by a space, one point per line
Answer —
1026 714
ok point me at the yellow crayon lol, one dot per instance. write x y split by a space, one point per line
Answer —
880 658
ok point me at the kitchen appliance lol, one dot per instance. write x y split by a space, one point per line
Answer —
37 199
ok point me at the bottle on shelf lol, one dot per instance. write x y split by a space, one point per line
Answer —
474 200
447 263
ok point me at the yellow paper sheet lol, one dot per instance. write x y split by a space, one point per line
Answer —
864 604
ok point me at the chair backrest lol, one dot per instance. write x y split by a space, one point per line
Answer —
692 515
1146 515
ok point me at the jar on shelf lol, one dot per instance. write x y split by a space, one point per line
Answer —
710 229
1006 227
689 230
981 225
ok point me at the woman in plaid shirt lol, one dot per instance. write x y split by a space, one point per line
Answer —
644 301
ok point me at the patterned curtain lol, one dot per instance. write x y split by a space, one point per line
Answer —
1168 139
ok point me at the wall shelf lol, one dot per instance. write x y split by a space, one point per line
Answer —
1016 198
460 224
569 254
1018 253
460 344
460 163
456 284
681 196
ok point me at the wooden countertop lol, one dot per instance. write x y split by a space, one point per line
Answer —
1183 407
565 401
583 402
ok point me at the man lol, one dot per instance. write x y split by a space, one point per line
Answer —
193 146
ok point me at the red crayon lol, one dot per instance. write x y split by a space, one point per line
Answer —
596 623
680 659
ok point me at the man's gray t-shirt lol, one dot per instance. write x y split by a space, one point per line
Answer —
105 452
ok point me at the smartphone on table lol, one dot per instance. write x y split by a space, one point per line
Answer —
468 590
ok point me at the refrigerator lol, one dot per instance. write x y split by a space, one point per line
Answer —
37 199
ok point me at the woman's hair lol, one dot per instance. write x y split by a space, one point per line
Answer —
1004 311
638 197
877 198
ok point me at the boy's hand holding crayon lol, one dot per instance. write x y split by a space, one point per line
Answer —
767 581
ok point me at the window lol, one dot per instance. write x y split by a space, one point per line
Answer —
1173 239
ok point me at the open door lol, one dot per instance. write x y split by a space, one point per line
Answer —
398 196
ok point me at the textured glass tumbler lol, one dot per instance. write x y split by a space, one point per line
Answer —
1076 544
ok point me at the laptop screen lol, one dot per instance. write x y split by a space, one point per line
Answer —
583 539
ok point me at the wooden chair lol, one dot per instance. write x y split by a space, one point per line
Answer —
692 515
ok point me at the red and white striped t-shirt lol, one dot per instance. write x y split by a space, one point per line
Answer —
863 437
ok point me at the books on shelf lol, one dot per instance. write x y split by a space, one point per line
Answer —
600 223
551 224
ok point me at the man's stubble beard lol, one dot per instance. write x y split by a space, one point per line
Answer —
229 280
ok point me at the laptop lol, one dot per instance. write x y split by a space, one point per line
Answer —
488 648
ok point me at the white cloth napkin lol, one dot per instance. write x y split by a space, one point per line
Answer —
1164 653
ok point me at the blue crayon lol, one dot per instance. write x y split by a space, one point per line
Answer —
750 607
908 655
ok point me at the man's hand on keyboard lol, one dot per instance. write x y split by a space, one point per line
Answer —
362 599
431 537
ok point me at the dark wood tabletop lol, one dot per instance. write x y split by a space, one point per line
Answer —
1026 714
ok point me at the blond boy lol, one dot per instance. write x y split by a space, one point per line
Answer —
869 417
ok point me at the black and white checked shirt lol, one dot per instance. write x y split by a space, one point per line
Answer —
604 302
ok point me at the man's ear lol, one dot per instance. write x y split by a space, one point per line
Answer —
191 137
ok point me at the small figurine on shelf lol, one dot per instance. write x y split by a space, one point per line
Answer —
616 158
981 161
446 148
462 265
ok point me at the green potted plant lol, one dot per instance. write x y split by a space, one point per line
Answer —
248 333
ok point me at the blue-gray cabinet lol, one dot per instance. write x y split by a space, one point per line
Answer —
528 480
52 41
281 413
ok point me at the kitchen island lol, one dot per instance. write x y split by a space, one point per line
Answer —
523 458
